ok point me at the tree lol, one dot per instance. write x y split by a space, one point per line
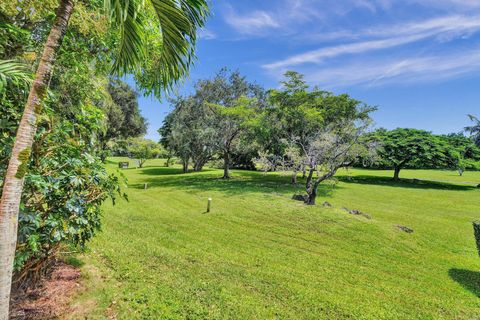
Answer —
403 147
227 90
143 149
230 123
178 29
328 150
323 153
122 115
296 111
65 187
464 148
197 128
133 123
311 130
188 132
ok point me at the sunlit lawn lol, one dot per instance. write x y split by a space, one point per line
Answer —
260 255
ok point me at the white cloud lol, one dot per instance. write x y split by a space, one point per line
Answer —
206 34
443 28
317 56
409 70
253 23
459 5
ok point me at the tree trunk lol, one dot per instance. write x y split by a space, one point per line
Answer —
396 175
308 183
198 166
294 177
226 166
312 195
18 164
312 188
185 165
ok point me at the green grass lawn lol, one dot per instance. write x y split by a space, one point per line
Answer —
260 255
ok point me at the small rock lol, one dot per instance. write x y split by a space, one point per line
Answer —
327 204
405 229
357 213
300 197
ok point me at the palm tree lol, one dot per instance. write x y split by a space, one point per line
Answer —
178 21
474 130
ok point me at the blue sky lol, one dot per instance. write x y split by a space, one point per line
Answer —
417 60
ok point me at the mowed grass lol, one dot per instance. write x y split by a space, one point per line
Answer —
260 255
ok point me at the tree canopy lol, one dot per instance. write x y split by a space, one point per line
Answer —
402 147
210 122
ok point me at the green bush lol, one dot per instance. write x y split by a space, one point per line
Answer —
471 165
476 231
65 185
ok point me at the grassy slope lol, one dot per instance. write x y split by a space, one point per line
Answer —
261 255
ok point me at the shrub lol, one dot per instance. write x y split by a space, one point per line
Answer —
65 185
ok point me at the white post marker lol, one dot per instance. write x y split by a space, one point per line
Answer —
145 185
209 204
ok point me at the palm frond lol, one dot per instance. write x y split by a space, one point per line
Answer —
126 15
474 130
15 73
178 21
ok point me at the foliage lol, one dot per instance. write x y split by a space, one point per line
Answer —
230 123
143 149
402 148
65 187
122 117
474 130
209 123
464 149
296 111
156 62
65 183
307 129
132 123
13 73
188 131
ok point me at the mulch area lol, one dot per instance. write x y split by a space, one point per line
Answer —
50 299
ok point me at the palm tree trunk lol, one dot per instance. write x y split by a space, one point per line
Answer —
13 183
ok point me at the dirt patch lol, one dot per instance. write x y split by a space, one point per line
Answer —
51 298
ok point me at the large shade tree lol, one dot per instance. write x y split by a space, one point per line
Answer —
211 121
122 115
297 112
231 122
307 129
172 38
405 147
188 132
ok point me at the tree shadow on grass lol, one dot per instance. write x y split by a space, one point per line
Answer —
160 171
242 182
404 183
468 279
